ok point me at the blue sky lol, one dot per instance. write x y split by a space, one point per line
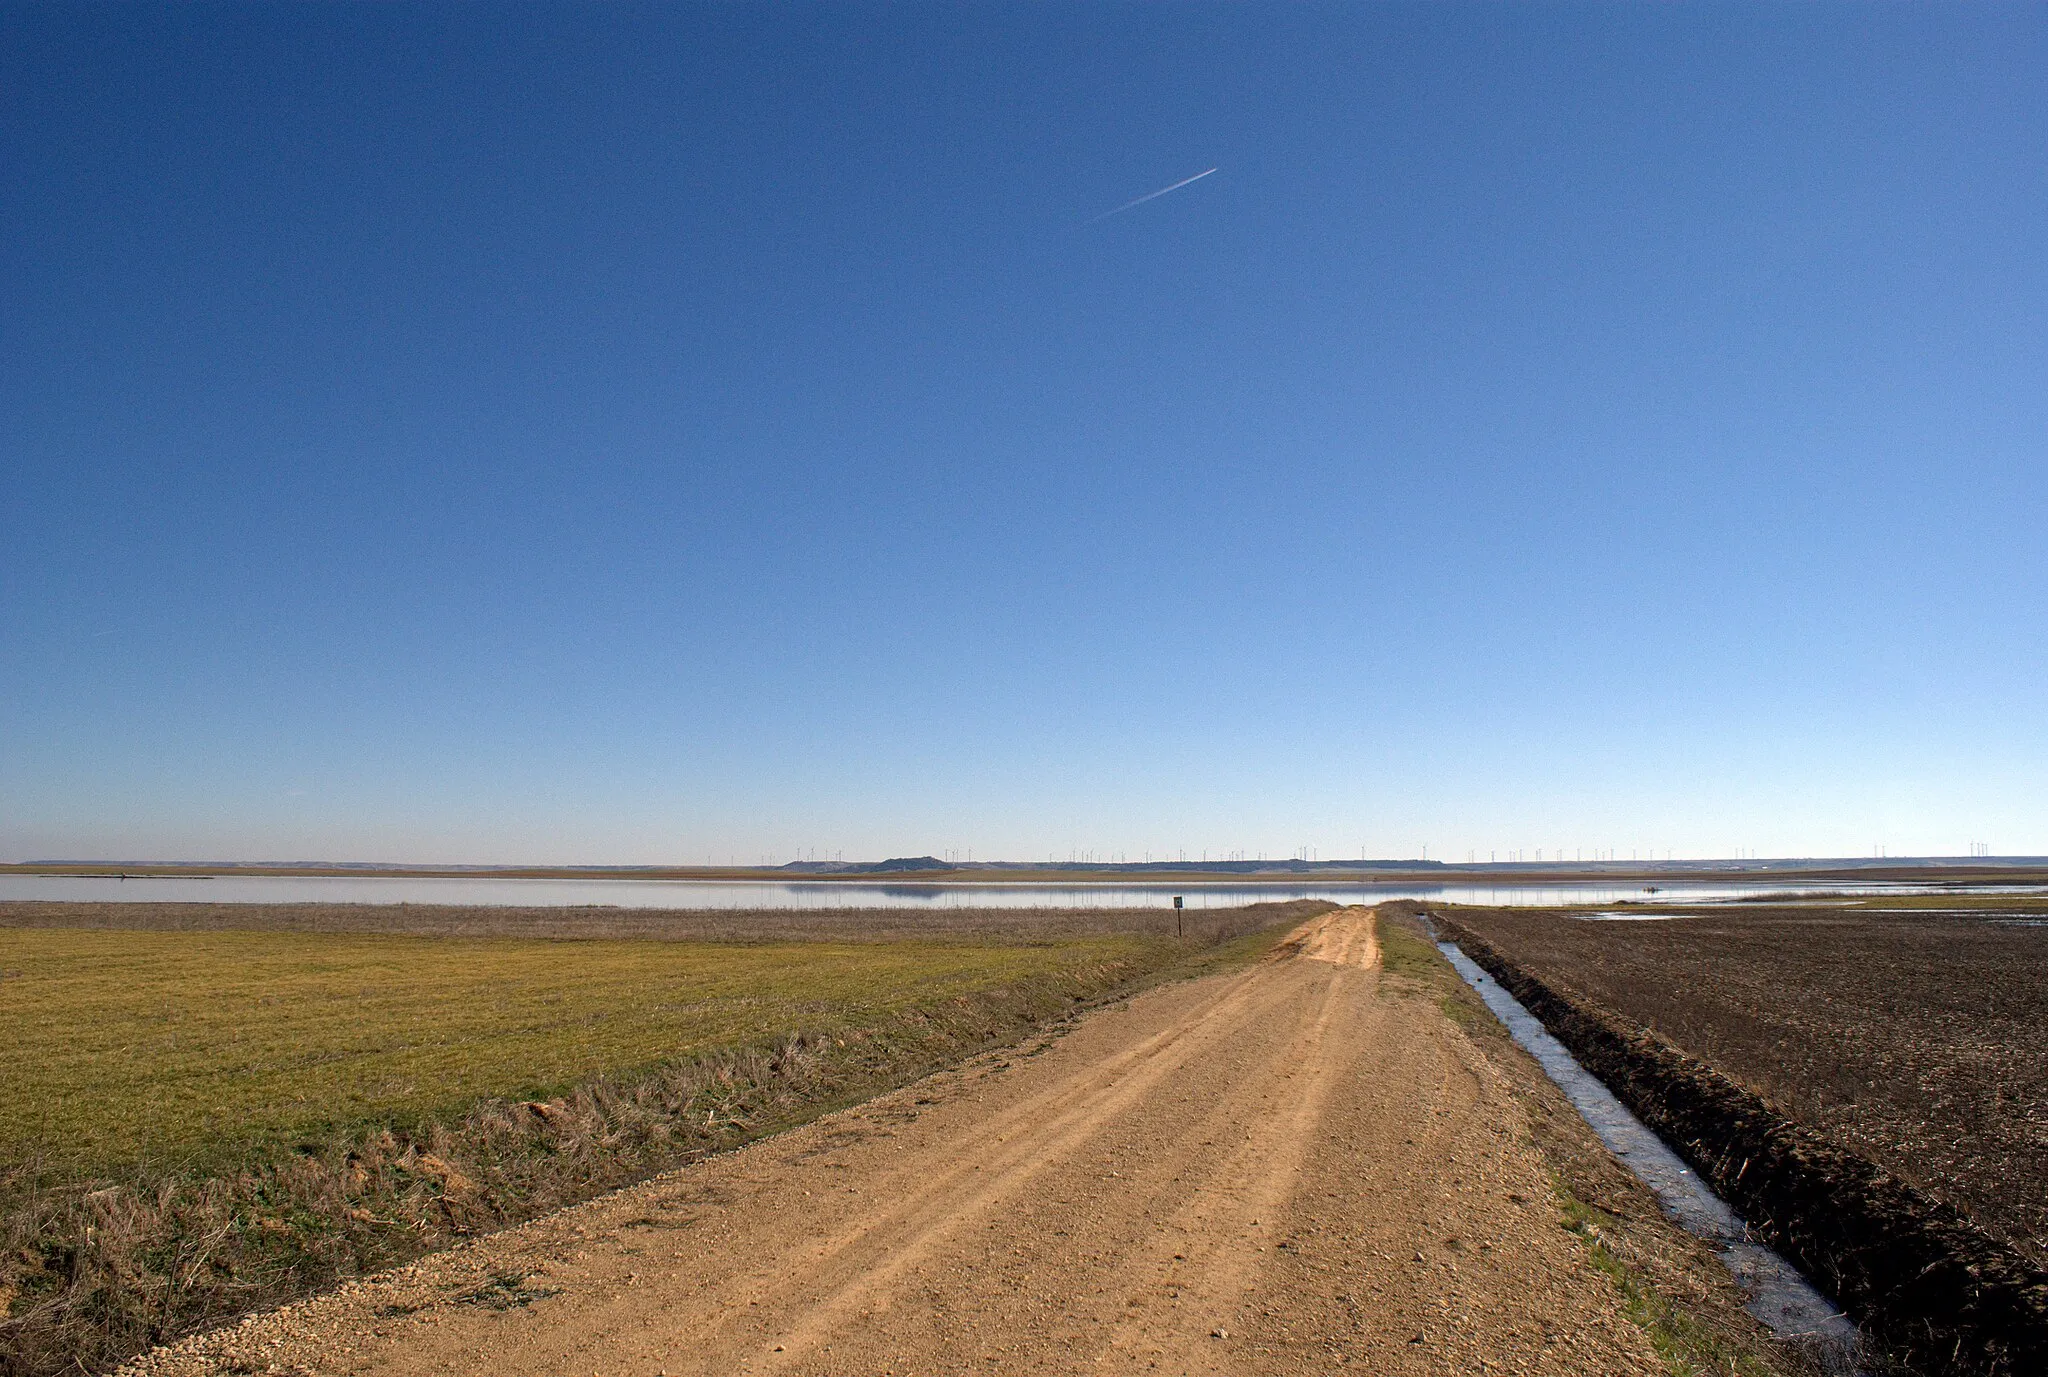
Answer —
671 433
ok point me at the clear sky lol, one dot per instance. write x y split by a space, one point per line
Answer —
685 433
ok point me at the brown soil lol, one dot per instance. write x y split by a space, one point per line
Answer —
1297 1167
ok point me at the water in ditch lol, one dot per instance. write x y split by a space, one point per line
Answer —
1778 1295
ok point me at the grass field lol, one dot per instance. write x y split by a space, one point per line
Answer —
209 1109
199 1047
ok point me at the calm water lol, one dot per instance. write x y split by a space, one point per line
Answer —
715 894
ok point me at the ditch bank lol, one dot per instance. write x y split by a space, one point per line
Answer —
1937 1291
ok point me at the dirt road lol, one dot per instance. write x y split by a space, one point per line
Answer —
1291 1168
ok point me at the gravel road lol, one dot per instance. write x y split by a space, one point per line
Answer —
1299 1167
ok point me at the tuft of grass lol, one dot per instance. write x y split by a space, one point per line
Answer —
506 1291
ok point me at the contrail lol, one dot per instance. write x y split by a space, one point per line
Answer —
1151 196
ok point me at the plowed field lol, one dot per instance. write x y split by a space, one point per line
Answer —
1912 1032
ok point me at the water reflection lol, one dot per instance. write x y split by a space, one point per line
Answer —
815 894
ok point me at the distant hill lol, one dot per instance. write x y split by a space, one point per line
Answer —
894 865
1274 867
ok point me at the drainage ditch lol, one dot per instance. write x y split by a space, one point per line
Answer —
1775 1291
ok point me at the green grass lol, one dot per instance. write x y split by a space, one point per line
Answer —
136 1046
1405 953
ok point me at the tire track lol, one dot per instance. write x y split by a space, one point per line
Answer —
1269 1166
906 1237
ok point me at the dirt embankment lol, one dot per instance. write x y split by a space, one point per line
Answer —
1303 1166
1940 1292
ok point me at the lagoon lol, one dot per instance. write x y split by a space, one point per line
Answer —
619 892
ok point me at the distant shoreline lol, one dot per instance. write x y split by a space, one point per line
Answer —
1940 870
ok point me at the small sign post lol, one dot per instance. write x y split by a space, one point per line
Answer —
1176 916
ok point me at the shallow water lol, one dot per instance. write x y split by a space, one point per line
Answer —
622 892
1777 1294
1612 916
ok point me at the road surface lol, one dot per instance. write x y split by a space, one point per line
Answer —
1298 1167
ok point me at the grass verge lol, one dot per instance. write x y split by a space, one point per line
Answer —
1407 954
